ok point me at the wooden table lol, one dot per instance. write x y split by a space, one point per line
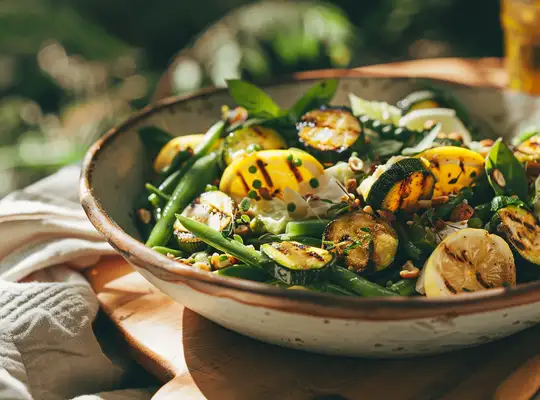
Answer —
197 359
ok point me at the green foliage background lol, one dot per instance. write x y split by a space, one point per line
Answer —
71 69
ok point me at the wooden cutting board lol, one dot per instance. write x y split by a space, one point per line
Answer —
197 359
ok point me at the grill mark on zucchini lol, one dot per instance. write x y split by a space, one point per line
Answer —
264 172
298 176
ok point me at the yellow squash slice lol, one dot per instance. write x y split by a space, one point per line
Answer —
453 167
269 172
180 143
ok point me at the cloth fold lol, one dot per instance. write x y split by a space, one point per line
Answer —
48 349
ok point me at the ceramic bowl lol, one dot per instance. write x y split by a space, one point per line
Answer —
114 173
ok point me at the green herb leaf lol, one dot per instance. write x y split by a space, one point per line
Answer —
258 103
386 148
154 139
318 95
505 173
503 201
425 143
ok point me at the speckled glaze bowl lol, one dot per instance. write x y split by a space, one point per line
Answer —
114 173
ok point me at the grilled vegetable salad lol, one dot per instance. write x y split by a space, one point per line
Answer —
359 199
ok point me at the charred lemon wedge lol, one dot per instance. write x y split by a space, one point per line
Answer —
469 260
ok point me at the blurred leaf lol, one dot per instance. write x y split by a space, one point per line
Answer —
253 99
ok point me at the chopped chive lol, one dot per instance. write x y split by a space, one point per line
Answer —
210 188
291 207
298 162
314 183
245 204
223 257
239 221
252 169
238 238
257 184
252 194
290 158
245 218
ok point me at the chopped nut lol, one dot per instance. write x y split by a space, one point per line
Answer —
389 216
486 142
439 200
351 185
461 212
429 124
498 177
532 168
455 136
203 266
355 164
409 274
144 215
424 203
242 230
409 271
368 209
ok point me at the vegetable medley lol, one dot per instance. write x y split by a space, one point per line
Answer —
363 199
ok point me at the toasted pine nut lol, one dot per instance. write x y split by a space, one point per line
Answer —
368 209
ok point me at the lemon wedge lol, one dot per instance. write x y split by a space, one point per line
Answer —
453 167
450 123
469 260
268 173
180 143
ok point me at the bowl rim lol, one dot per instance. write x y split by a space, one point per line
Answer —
370 308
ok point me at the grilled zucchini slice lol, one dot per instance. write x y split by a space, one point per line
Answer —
296 263
330 133
214 209
398 184
365 242
520 229
249 139
420 99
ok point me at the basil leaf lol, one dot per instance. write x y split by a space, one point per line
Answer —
505 173
425 143
503 201
386 148
154 139
257 103
318 95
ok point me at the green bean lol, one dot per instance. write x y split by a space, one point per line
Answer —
310 228
327 287
209 140
356 284
167 250
244 272
445 210
152 189
215 239
190 185
405 287
167 187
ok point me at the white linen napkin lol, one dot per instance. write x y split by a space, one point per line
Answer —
48 349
